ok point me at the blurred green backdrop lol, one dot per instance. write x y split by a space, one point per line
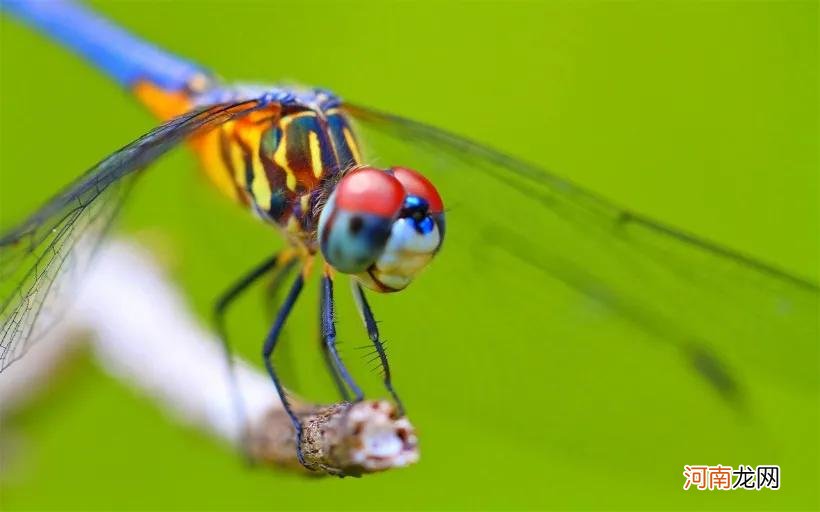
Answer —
701 114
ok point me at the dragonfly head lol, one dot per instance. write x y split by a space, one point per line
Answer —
382 226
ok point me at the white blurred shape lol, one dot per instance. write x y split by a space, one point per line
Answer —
142 332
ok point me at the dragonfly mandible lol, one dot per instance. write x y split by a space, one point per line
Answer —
292 157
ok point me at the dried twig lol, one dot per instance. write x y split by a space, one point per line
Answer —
341 439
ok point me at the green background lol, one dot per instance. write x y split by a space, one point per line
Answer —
526 394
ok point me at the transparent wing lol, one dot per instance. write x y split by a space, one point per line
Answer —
38 257
721 309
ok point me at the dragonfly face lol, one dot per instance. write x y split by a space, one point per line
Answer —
382 226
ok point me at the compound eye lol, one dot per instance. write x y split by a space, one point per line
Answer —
370 191
357 220
417 185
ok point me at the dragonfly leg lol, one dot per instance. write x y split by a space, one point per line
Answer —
285 355
328 358
328 330
373 333
267 355
225 300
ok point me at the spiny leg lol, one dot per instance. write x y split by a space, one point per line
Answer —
225 300
337 379
270 345
328 330
373 333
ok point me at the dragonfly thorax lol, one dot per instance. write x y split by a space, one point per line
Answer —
279 162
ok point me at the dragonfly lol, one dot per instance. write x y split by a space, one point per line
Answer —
292 157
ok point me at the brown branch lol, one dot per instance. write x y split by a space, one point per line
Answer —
341 439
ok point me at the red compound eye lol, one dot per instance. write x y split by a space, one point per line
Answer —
369 190
417 185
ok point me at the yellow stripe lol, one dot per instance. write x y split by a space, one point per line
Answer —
261 185
261 188
315 154
290 181
280 155
351 143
